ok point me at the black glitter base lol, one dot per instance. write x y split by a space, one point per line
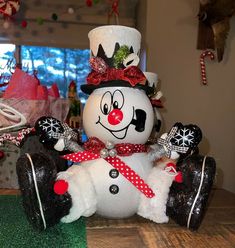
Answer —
54 206
183 195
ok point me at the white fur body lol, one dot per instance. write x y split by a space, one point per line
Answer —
159 181
89 184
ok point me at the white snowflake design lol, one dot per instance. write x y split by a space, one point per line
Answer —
184 137
50 125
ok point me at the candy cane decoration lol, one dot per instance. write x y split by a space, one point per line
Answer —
15 140
9 7
203 66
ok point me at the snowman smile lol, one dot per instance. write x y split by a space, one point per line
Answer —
119 134
139 121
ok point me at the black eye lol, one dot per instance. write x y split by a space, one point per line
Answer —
105 109
105 103
118 99
115 105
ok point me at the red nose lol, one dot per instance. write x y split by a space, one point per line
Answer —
115 117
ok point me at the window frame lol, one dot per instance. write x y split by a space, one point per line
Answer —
19 59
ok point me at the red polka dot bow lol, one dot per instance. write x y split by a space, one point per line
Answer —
95 145
95 149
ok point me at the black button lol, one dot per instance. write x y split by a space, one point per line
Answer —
113 173
114 189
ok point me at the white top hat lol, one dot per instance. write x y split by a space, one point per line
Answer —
114 61
109 35
152 78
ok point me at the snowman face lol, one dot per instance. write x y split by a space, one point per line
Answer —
119 115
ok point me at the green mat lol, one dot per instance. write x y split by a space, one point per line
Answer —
15 231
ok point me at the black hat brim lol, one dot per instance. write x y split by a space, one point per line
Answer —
89 88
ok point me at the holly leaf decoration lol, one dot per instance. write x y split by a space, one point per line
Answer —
120 56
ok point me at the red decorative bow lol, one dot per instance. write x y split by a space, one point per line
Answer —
131 74
95 145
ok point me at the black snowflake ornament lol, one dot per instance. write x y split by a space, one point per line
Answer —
186 136
46 128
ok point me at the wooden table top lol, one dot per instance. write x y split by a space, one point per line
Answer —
217 229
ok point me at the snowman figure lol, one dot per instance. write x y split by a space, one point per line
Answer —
153 81
112 173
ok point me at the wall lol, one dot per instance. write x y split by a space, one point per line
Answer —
70 30
170 37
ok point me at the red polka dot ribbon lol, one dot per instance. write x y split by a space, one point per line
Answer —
117 163
131 176
81 156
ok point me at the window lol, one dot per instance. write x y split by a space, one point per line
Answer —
7 63
52 65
